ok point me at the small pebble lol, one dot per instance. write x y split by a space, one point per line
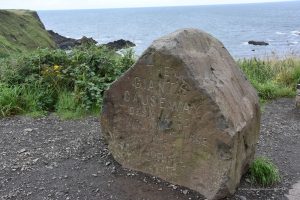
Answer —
28 129
22 151
185 192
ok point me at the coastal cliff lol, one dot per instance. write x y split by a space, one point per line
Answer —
22 31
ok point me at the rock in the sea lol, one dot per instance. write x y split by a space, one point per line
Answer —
185 113
260 43
120 44
68 43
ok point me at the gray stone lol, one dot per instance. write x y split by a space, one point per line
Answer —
28 129
297 100
294 193
185 113
22 150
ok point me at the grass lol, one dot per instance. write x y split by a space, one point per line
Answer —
264 172
22 100
272 78
36 114
66 107
9 100
22 31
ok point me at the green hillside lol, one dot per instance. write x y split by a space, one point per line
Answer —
21 31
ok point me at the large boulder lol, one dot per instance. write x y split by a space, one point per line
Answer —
185 113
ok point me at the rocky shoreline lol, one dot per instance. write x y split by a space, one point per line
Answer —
66 43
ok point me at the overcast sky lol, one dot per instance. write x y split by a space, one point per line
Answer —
87 4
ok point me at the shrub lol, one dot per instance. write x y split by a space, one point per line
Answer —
264 172
38 98
48 77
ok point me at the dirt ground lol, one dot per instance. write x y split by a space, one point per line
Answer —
48 158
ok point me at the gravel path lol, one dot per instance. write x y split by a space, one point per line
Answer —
280 141
48 158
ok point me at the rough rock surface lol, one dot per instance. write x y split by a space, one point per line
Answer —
186 113
297 100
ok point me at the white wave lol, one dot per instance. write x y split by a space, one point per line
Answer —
295 33
138 41
293 42
280 33
245 43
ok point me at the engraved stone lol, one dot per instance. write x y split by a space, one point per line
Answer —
185 113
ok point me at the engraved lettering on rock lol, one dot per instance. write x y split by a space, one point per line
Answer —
126 96
148 97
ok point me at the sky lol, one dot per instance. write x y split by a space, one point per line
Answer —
94 4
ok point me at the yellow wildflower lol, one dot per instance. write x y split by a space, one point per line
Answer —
56 67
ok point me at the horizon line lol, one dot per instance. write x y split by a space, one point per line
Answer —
137 7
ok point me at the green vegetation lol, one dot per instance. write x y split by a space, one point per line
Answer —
264 172
72 83
69 83
272 78
20 31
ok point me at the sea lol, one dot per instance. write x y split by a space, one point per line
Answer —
234 25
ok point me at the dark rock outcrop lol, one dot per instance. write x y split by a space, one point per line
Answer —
68 43
259 43
120 44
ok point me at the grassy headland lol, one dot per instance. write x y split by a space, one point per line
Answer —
22 31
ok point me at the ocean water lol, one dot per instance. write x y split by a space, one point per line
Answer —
234 25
